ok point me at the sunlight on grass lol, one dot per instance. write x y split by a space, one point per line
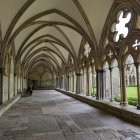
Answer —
131 92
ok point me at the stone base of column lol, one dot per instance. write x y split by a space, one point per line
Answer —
138 107
87 95
124 103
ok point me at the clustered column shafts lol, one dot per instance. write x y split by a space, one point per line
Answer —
87 81
123 86
111 85
93 84
138 83
73 82
101 85
83 84
78 83
64 83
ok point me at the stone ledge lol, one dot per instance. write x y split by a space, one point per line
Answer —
5 106
127 113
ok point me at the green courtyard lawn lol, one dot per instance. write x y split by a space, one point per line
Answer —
131 92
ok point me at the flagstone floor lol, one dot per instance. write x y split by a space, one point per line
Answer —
50 115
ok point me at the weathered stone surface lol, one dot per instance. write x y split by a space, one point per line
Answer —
50 115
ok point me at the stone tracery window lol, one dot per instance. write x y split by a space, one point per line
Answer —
120 27
130 71
87 50
136 45
110 54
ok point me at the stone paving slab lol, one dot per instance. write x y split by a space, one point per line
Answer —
50 115
79 119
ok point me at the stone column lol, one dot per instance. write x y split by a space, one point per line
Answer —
123 86
83 83
138 83
78 83
15 84
93 93
58 85
1 86
100 80
61 82
127 80
56 82
87 81
98 84
111 85
73 82
103 83
67 83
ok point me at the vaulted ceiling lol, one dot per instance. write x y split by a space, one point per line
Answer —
49 31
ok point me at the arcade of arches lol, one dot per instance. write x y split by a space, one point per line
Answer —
91 48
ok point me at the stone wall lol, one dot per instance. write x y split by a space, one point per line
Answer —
41 78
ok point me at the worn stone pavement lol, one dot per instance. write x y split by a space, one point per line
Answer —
50 115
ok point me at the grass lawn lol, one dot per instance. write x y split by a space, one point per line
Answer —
131 91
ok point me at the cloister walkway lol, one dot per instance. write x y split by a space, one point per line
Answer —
50 115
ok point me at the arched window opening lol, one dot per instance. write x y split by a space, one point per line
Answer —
131 81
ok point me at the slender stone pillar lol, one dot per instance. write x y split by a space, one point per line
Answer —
111 85
103 83
56 82
78 83
63 81
98 84
15 84
73 82
100 80
81 85
83 82
123 86
58 85
67 83
93 93
1 86
138 83
87 81
61 84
